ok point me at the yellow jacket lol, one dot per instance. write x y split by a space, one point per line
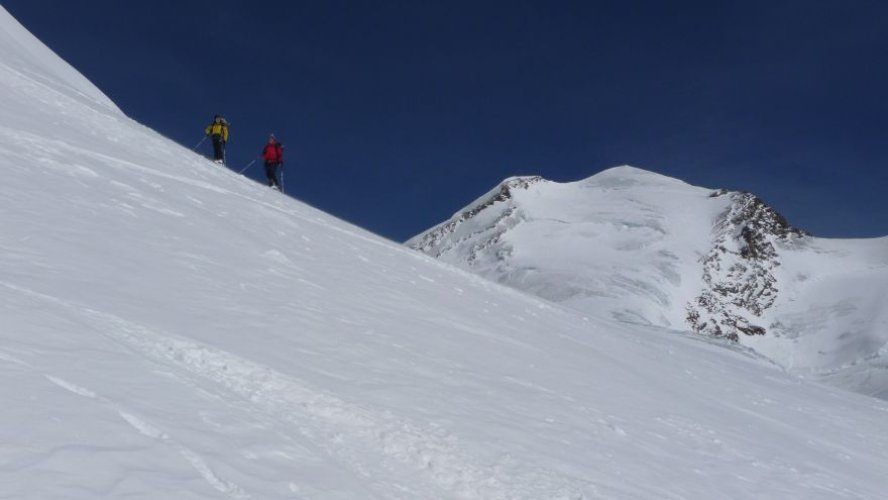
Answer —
218 129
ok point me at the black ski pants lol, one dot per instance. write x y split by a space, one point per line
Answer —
271 172
218 147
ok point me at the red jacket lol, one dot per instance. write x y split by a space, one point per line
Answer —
273 153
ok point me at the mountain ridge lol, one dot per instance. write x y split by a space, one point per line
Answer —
718 268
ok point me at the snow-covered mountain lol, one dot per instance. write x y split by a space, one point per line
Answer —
644 248
172 330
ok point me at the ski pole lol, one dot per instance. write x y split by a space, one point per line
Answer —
248 166
199 143
282 179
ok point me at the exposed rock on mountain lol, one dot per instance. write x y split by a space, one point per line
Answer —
644 248
737 272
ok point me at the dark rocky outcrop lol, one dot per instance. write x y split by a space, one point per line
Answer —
739 270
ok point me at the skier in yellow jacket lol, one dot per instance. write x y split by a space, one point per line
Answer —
218 131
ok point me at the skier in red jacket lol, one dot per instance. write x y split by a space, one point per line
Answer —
273 154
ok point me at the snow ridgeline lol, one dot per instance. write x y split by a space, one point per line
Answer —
647 249
173 330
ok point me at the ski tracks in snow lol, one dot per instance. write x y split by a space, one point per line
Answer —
149 430
145 428
347 432
418 462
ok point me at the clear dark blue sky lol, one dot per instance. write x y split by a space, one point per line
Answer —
396 114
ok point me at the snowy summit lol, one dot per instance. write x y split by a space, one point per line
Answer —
648 249
171 329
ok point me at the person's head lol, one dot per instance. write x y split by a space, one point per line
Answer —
218 119
271 139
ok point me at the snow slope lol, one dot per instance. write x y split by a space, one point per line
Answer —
173 330
623 243
648 249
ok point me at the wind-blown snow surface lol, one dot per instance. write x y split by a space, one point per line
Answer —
624 243
173 330
644 248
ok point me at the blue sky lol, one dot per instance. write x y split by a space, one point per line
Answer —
397 114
